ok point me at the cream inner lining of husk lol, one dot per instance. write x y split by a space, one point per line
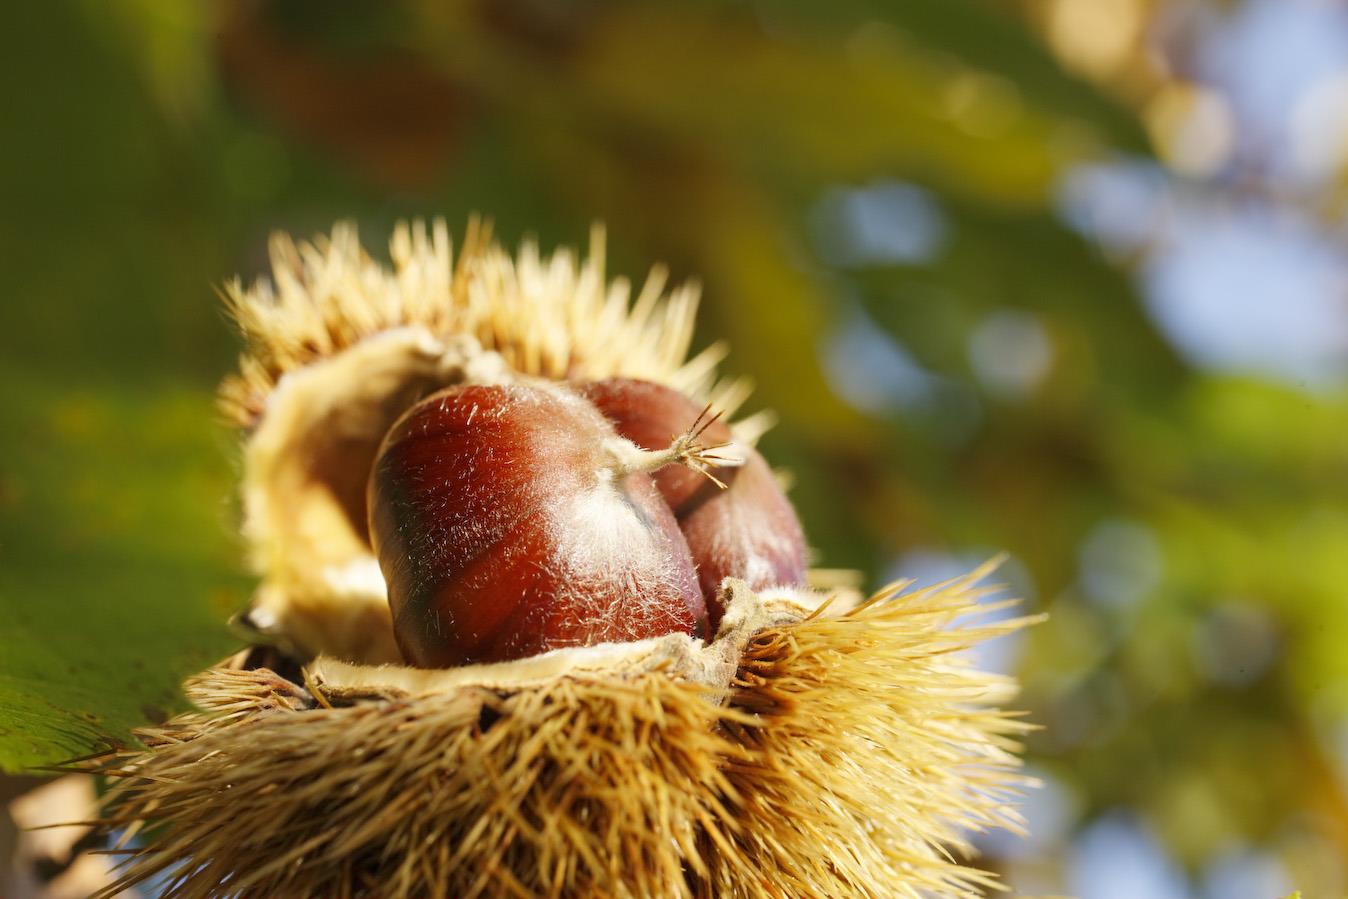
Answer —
305 470
712 664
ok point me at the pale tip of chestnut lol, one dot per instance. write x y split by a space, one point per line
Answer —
684 449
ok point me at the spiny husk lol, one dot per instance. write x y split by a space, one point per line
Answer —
552 317
849 755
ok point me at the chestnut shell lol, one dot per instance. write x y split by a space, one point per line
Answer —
503 530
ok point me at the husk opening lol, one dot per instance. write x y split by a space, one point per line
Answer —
339 345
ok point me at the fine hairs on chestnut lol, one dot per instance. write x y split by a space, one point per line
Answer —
514 520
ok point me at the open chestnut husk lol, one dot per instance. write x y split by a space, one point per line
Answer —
808 744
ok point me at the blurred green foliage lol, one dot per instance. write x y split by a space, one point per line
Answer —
151 147
117 573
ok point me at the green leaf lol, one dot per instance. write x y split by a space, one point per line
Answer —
116 574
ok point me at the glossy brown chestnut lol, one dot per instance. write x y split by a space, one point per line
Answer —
748 530
511 520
